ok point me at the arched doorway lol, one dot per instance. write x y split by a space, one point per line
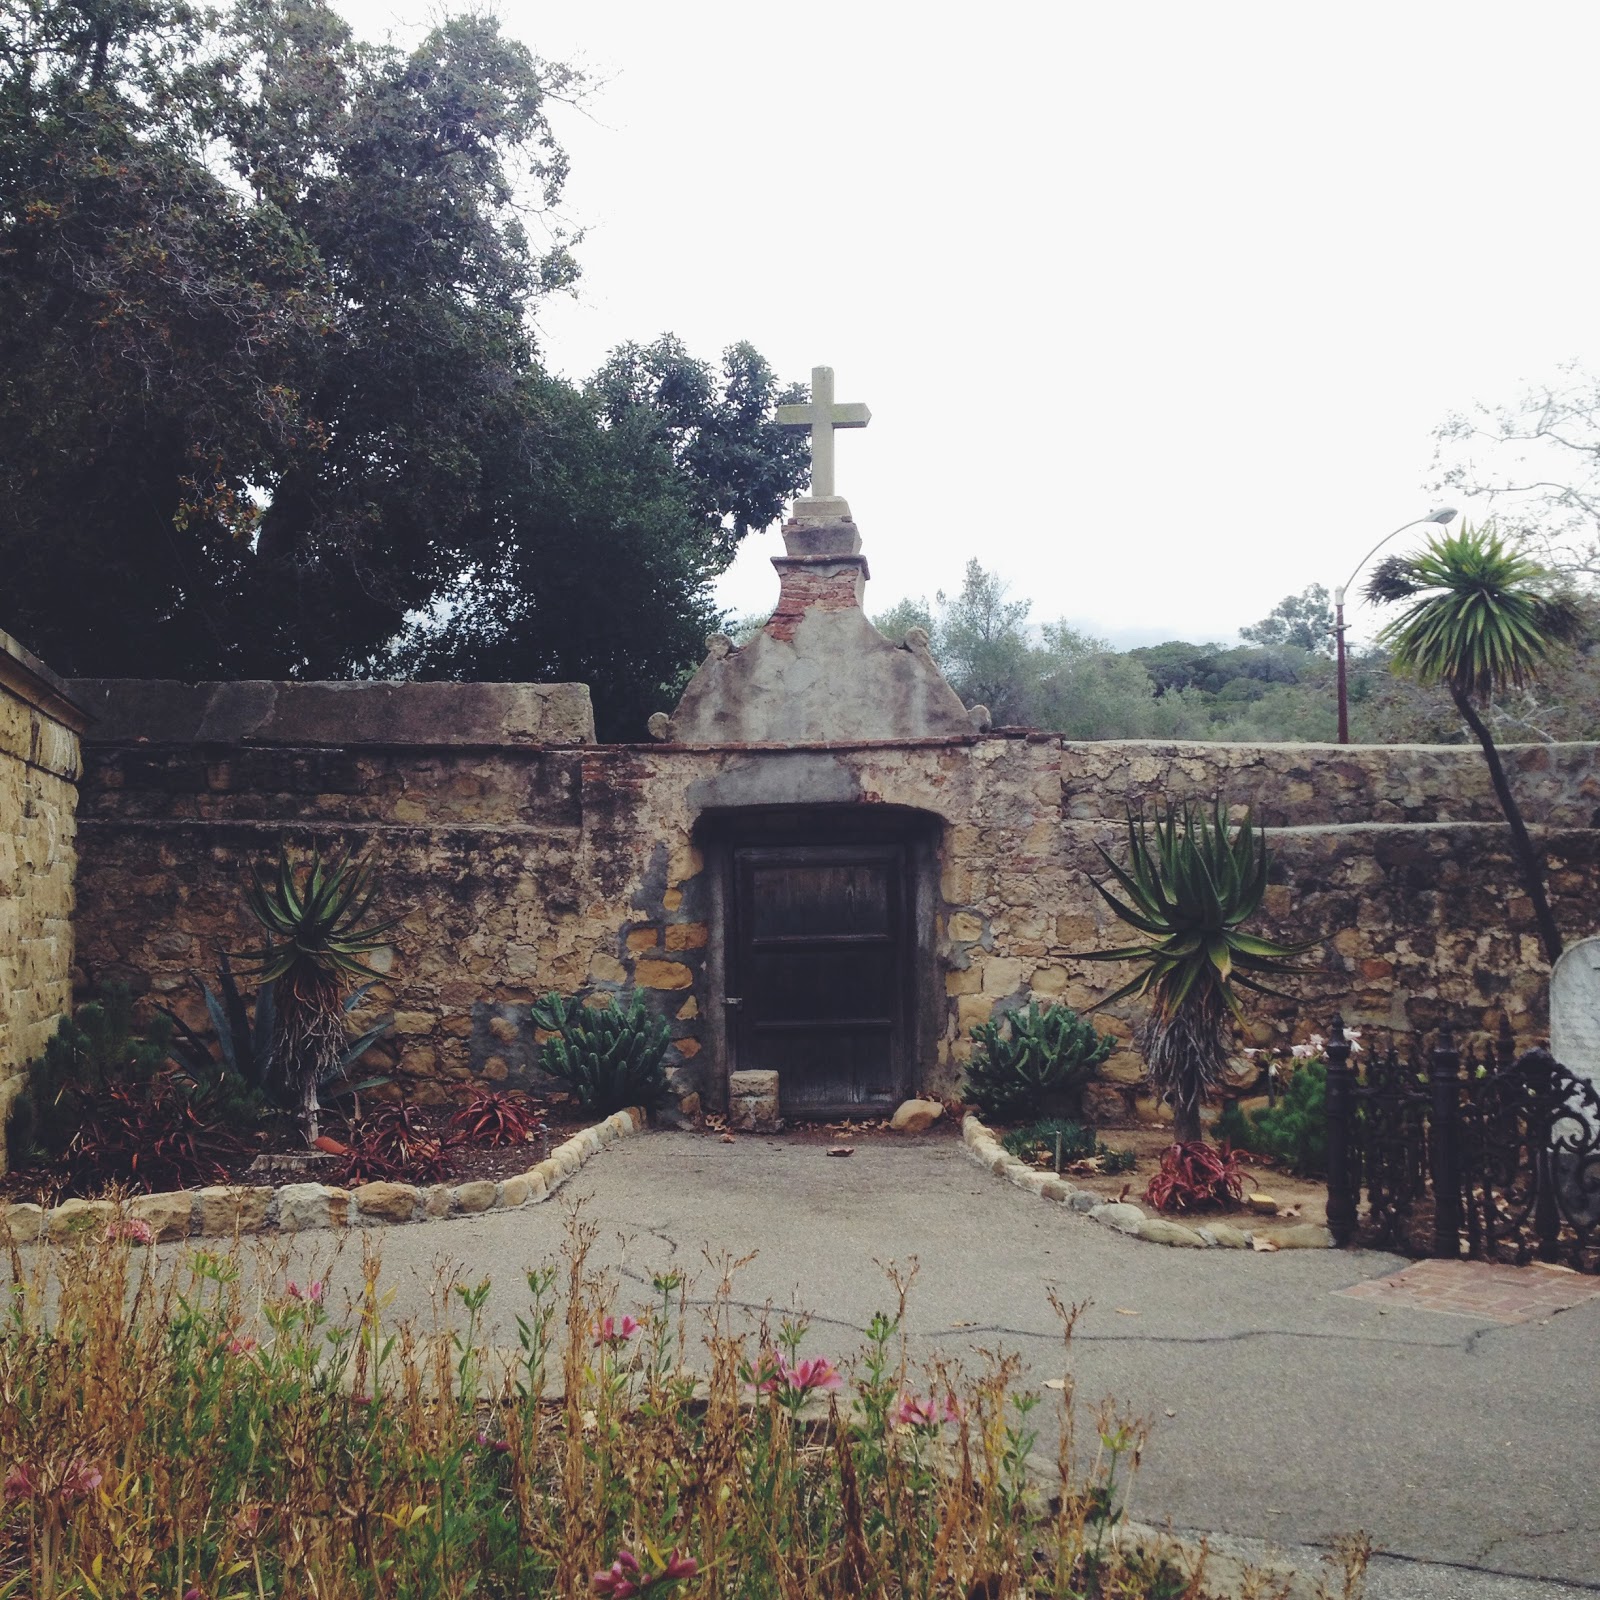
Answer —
823 965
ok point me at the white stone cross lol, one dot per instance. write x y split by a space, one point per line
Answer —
822 416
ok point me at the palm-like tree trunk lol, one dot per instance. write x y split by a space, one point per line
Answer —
1527 858
1185 1053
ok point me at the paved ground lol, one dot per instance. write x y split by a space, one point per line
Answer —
1285 1409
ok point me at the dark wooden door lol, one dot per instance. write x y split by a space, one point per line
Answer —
817 976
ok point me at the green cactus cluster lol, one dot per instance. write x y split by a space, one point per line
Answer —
610 1056
1034 1063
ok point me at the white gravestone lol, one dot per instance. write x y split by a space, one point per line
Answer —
1575 1010
1575 1043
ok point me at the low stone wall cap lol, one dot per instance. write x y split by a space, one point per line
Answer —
361 712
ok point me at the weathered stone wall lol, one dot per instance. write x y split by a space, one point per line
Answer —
521 869
39 766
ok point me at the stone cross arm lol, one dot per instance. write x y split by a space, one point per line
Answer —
822 416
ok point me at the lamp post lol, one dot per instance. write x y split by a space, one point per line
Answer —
1443 515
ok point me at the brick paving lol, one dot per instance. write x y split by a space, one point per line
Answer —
1482 1289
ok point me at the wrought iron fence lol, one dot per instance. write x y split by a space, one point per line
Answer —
1483 1151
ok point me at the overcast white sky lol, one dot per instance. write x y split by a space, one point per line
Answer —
1155 304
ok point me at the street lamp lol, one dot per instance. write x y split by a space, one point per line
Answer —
1443 515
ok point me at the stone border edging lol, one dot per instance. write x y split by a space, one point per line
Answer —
223 1211
1122 1215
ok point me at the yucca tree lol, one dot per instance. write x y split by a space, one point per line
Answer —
1190 886
314 919
1483 618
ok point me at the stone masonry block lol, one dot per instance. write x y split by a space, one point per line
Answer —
753 1101
302 1206
651 974
168 1215
225 1210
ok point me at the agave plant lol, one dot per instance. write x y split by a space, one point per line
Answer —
1483 618
316 931
1189 888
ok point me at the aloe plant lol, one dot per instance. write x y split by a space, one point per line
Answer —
610 1056
1190 887
314 919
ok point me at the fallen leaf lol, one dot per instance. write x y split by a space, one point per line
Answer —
1126 1311
842 1150
963 1324
1263 1245
728 1138
1055 1383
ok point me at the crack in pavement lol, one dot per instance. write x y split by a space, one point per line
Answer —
1053 1335
1482 1554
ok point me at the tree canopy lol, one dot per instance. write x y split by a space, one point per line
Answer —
1535 462
270 402
1055 677
1303 621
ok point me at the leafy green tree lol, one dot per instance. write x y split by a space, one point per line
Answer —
1087 690
1302 621
269 397
985 649
895 623
1483 618
595 559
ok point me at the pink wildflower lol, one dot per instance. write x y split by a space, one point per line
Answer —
241 1347
607 1330
81 1479
498 1447
134 1229
194 1592
313 1291
18 1485
625 1577
911 1412
774 1375
768 1375
815 1373
622 1579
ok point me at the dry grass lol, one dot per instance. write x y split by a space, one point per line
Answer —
164 1432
